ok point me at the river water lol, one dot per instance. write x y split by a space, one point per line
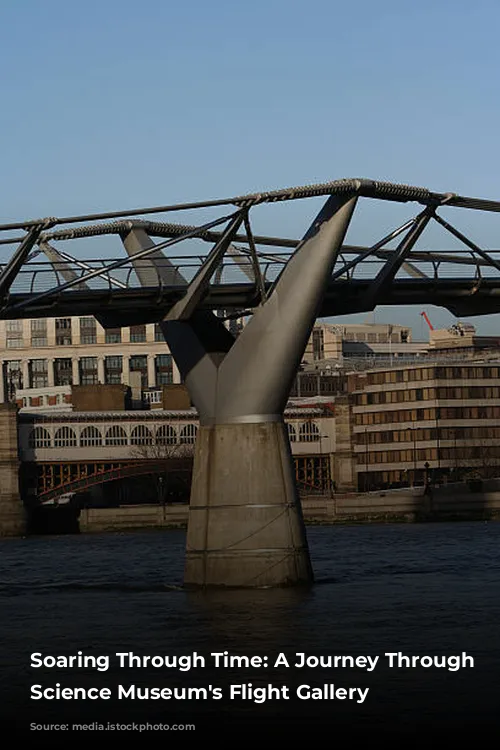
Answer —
418 589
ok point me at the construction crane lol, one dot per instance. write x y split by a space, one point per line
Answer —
425 317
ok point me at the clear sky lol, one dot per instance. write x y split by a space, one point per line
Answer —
115 104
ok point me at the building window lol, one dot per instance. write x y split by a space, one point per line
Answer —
188 434
113 370
88 331
39 375
292 433
153 397
137 334
113 336
63 371
90 436
39 332
88 371
14 333
164 369
141 435
308 433
39 438
159 333
318 343
166 435
116 435
139 363
63 331
13 378
13 343
65 437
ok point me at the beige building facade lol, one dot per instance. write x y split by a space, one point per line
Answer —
42 358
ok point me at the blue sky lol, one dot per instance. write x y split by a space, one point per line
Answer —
108 105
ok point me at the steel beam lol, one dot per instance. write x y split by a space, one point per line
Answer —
20 256
198 287
386 275
197 346
255 378
154 270
60 264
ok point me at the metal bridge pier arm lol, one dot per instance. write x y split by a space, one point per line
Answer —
245 524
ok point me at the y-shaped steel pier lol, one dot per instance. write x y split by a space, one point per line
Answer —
245 522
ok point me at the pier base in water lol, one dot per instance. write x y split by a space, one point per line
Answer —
245 522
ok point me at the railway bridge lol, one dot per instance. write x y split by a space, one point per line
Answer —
62 453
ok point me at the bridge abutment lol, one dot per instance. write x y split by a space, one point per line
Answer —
12 512
245 522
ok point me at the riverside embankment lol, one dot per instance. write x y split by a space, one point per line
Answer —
459 501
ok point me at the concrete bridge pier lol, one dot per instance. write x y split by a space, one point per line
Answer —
12 512
245 522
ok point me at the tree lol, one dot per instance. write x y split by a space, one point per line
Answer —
171 464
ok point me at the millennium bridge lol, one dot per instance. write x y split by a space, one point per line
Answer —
245 525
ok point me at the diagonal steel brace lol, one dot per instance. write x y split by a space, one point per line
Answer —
9 273
184 308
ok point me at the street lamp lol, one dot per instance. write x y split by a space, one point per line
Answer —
427 483
414 436
328 474
438 447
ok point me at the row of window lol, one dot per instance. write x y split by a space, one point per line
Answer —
455 454
427 394
64 335
38 371
65 437
417 435
390 457
427 415
305 384
308 433
431 373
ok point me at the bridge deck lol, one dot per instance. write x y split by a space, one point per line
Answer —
465 280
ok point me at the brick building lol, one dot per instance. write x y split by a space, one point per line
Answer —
440 421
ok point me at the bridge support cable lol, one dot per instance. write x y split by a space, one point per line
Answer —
245 524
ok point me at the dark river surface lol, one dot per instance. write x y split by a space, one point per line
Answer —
418 589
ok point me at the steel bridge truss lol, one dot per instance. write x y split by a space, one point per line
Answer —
56 479
241 269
